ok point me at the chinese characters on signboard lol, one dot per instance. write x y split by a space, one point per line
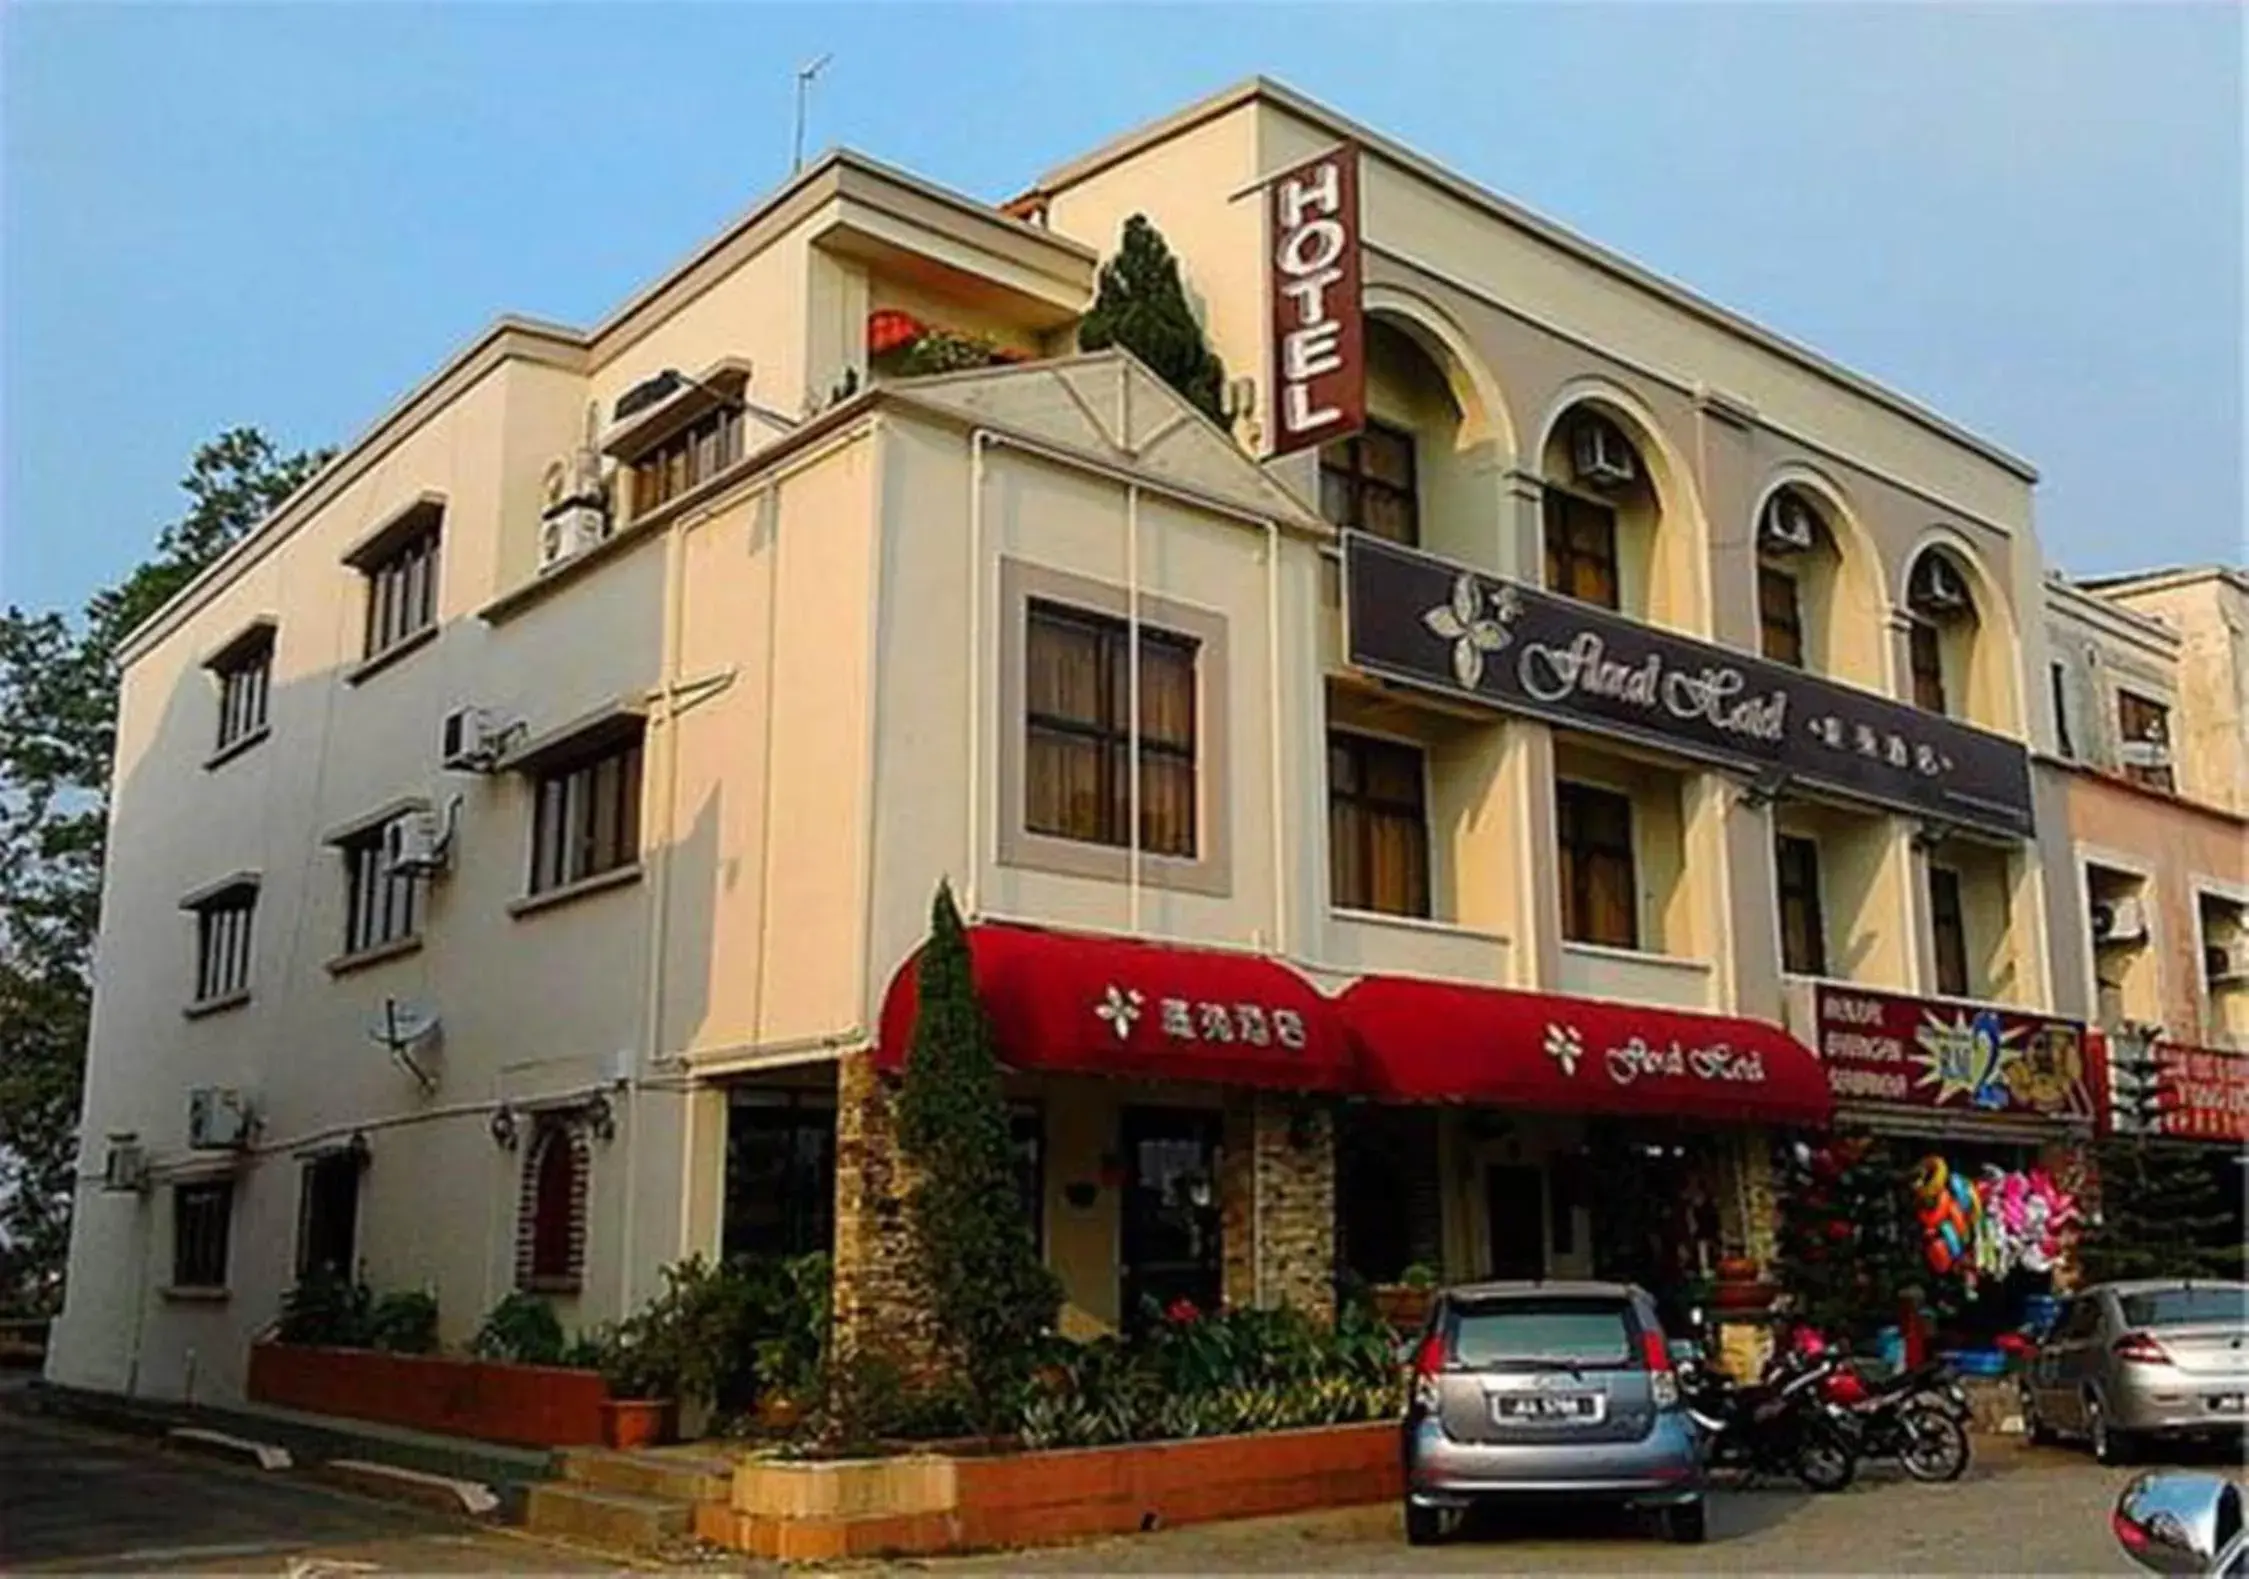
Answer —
1901 1052
1318 374
1194 1020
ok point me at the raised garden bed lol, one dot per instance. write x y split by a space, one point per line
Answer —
937 1502
527 1405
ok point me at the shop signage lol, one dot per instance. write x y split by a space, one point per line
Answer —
2197 1093
1884 1050
1422 620
1319 370
1195 1020
1636 1058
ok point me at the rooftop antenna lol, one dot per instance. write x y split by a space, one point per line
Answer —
805 74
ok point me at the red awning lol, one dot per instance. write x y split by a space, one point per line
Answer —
1439 1041
1079 1004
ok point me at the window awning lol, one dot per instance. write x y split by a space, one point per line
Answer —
1073 1003
1442 1041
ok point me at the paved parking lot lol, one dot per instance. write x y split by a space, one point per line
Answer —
2018 1510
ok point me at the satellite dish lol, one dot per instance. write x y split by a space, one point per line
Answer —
406 1029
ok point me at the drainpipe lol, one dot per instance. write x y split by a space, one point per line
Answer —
1276 777
1132 703
971 881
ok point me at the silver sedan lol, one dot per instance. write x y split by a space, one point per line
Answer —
2125 1364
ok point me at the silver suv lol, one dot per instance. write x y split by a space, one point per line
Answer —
2125 1363
1534 1391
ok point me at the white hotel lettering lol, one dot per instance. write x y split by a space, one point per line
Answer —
1314 285
1712 695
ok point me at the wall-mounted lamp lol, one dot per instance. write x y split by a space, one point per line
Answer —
600 1120
1768 786
1931 834
507 1133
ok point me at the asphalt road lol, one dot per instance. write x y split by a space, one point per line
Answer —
74 1499
2018 1510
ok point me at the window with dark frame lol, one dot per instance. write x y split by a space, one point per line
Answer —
1780 616
402 585
2062 741
1803 924
202 1214
780 1174
585 818
1600 884
245 677
1079 739
1925 652
550 1252
222 943
1948 931
2143 720
1368 483
1378 826
328 1216
380 906
1581 548
687 460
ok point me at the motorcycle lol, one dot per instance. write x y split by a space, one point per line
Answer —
1778 1425
1918 1417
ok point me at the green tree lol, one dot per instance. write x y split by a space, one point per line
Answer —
1142 306
58 729
2167 1210
995 1300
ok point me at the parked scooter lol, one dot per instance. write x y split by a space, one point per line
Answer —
1918 1417
1778 1425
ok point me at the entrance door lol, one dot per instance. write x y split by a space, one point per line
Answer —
1170 1228
1515 1219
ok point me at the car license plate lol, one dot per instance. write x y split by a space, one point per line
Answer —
2226 1403
1546 1408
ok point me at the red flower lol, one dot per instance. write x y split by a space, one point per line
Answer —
891 330
1181 1310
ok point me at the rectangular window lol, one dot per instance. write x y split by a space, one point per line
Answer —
380 906
686 460
1600 888
328 1216
780 1174
402 585
2062 741
245 675
1378 826
1368 484
586 816
1780 617
1948 932
222 944
1803 931
201 1215
1928 667
2143 731
1581 548
1080 740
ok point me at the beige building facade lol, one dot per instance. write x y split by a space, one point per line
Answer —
519 839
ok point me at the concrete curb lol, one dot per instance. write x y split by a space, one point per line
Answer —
471 1498
196 1439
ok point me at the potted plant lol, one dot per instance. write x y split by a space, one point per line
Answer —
643 1391
1405 1304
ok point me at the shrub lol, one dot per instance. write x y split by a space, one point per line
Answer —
404 1323
994 1298
1142 306
327 1309
521 1330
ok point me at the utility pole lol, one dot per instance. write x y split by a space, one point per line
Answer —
805 74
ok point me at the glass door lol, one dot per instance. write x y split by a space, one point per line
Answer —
1171 1220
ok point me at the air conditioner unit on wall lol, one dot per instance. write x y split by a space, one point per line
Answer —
2226 964
218 1119
2119 921
125 1165
1601 455
1787 525
415 843
1937 586
471 740
2143 753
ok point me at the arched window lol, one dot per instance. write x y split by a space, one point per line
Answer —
550 1247
1942 633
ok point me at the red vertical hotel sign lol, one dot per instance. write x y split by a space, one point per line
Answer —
1312 266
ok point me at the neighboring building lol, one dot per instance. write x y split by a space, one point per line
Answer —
535 820
2150 774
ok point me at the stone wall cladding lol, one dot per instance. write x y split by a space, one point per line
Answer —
882 1302
1295 1178
1237 1207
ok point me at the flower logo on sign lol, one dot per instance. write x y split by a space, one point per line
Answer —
1120 1006
1565 1046
1471 632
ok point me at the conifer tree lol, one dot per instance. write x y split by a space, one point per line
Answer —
1142 306
995 1299
2166 1211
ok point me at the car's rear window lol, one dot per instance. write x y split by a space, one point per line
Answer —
1579 1331
2182 1307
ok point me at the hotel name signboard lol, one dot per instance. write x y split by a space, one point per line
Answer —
1427 622
1319 372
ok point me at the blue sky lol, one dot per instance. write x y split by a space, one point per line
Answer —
2027 215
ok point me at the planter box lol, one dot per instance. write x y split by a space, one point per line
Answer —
927 1503
524 1405
1403 1309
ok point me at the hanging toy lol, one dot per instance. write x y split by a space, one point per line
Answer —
1946 1223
